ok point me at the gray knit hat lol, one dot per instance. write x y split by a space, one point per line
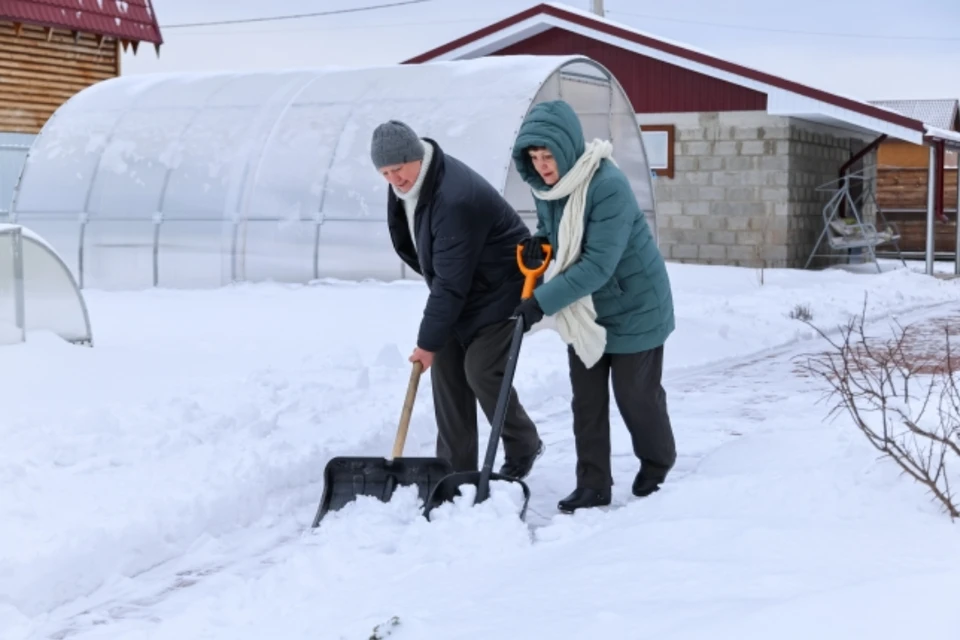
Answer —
394 143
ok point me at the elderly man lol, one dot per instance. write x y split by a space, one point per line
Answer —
451 226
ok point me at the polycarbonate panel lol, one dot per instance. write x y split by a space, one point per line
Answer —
52 302
195 254
13 153
216 155
355 250
591 99
159 145
271 250
632 157
587 69
275 153
67 158
587 96
210 165
118 254
473 114
11 261
60 231
293 192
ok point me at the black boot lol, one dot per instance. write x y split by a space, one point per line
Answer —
649 479
584 498
520 466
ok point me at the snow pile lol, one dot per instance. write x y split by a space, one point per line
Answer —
161 485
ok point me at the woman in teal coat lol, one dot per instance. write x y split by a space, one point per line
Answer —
609 293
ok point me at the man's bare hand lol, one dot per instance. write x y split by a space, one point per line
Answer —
425 357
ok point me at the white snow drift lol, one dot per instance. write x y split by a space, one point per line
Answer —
161 484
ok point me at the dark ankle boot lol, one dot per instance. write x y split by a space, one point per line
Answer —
649 479
520 467
584 498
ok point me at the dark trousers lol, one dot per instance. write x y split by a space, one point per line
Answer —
642 402
463 377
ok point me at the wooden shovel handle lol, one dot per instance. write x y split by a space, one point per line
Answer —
407 411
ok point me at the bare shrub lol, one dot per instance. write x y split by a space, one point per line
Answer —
907 404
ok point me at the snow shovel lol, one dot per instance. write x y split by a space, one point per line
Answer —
345 478
449 487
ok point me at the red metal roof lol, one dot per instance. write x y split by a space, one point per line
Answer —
131 20
652 85
551 13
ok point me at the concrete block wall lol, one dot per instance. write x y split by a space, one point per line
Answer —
744 187
816 156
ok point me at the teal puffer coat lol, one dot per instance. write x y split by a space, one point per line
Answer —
619 264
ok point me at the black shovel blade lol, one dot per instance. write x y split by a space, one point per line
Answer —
345 478
449 488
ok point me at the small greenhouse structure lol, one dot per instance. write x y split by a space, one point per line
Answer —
37 290
190 180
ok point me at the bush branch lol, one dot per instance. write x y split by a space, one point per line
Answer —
907 407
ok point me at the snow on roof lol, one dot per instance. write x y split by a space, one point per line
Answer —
937 113
293 143
784 97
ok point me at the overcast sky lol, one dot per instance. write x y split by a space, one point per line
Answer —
888 48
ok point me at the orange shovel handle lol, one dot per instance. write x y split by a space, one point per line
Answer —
531 275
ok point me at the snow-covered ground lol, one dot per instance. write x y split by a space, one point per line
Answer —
161 485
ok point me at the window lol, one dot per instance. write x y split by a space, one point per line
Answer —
658 142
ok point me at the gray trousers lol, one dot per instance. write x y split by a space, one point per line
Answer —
463 377
642 402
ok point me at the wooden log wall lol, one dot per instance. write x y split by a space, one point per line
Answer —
906 188
40 70
899 153
913 236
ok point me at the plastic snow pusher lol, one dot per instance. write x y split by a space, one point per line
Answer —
449 487
345 478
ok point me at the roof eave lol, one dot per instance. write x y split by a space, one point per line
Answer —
950 139
152 31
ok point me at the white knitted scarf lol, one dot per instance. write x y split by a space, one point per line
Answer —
577 322
410 198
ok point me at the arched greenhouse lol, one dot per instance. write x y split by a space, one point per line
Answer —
201 179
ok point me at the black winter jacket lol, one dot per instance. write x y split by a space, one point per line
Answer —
467 237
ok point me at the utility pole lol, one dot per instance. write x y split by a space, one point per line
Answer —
598 7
